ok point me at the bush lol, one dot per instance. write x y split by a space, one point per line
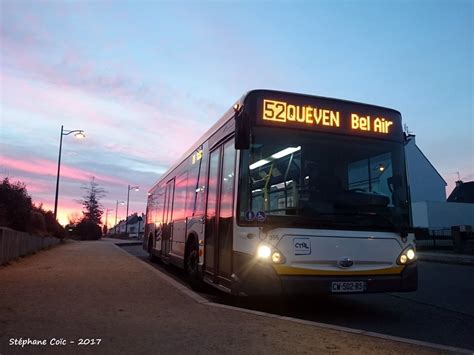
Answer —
15 206
88 230
52 225
18 212
37 224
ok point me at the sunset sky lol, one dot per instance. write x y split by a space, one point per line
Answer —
144 79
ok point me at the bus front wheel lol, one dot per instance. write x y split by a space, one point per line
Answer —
192 262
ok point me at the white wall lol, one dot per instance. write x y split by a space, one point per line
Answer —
425 182
440 215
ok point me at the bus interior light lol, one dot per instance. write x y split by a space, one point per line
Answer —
281 185
285 152
258 164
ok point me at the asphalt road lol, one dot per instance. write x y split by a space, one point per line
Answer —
441 311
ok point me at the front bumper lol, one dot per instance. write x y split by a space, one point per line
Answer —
407 281
263 280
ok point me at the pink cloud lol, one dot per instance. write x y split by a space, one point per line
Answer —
49 168
34 186
66 102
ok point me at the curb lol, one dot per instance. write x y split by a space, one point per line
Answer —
201 300
127 243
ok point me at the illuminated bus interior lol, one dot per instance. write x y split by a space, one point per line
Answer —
325 180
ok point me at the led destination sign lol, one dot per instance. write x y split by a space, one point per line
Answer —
289 114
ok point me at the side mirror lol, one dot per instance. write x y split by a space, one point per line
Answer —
242 130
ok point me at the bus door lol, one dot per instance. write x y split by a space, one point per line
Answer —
219 214
167 219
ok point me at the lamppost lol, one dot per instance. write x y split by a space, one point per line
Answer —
116 209
134 188
78 133
107 210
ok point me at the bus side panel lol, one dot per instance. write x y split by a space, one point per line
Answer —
179 237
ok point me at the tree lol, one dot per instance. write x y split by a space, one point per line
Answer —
89 226
92 209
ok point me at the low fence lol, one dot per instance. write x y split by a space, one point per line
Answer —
14 244
459 239
434 239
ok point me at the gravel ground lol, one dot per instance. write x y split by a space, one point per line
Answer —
93 290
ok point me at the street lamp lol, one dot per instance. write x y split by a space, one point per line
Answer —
116 209
107 210
134 188
78 133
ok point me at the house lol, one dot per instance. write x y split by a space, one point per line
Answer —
430 209
463 192
134 226
426 183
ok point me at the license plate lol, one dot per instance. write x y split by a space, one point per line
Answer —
348 286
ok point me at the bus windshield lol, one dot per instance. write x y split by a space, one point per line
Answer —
318 180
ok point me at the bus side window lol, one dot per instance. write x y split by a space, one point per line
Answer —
179 203
158 204
191 190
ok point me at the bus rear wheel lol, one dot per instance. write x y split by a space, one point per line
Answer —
192 266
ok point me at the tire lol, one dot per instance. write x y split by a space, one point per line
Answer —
151 256
192 268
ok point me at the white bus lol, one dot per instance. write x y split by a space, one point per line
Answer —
290 194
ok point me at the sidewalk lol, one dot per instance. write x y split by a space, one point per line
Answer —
93 290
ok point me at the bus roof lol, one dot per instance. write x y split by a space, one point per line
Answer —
265 91
230 113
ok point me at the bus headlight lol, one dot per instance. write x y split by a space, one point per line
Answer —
263 251
277 258
407 256
266 252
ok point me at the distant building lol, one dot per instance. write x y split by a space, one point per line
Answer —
463 192
428 194
136 227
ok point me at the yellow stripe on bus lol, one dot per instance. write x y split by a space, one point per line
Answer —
289 270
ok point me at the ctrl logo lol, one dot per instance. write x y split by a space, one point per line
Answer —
302 246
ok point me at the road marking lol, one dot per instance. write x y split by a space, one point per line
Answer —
201 300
